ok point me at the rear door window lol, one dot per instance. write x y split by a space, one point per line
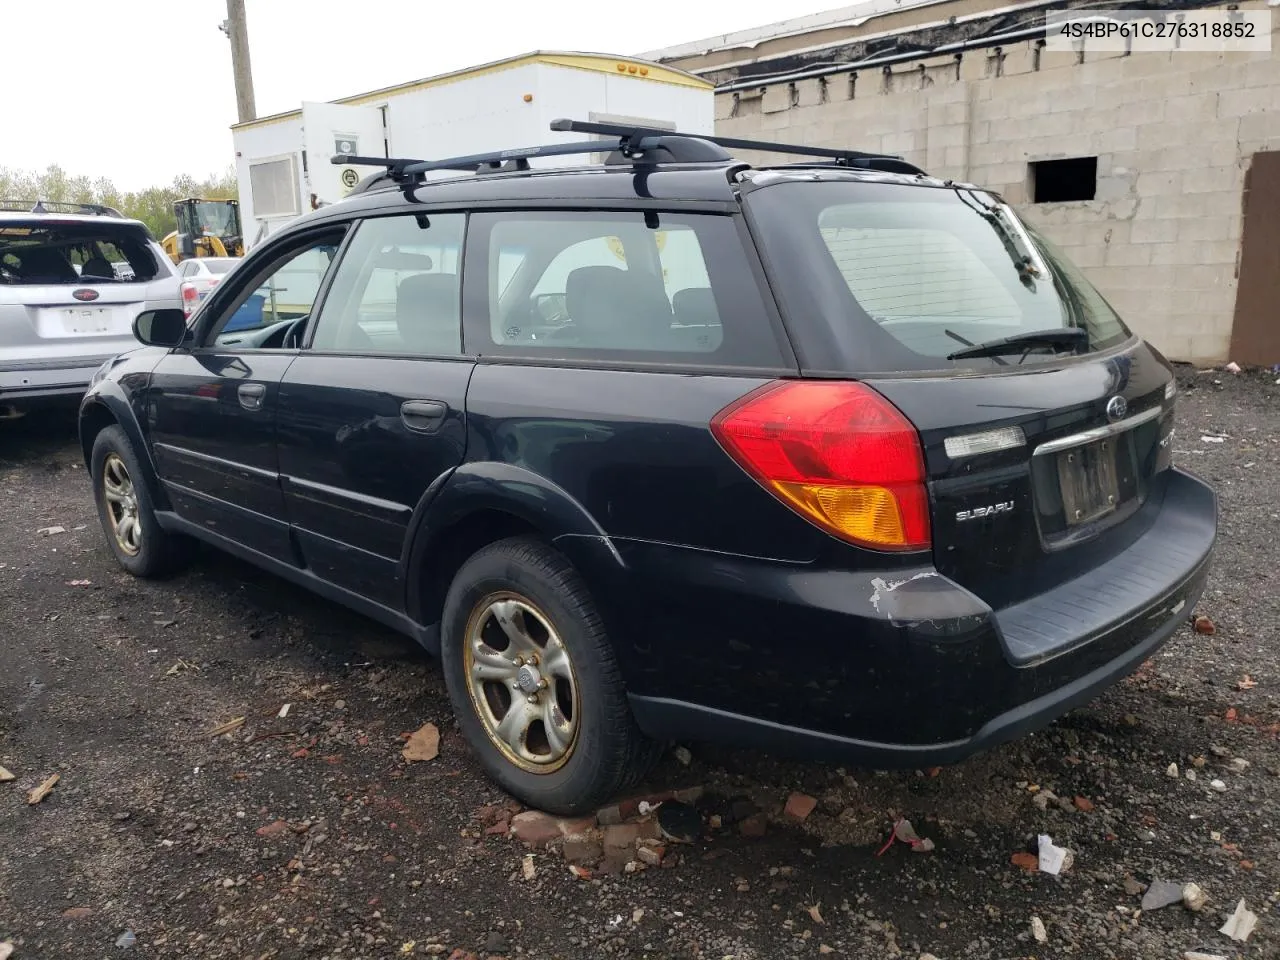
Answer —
625 285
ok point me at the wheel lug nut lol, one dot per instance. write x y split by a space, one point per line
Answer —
533 698
542 684
519 661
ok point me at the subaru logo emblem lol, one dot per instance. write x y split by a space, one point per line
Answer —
1117 408
84 296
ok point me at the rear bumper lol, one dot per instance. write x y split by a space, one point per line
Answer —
26 382
924 673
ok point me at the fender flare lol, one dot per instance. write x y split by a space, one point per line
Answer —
108 396
520 493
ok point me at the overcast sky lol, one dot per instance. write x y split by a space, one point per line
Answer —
141 90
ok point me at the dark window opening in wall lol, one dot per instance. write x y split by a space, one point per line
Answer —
1061 181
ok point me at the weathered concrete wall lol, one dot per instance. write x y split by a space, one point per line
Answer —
1173 134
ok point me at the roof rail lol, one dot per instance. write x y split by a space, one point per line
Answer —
58 206
633 145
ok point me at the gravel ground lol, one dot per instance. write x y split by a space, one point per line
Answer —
153 827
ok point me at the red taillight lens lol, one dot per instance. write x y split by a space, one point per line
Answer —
189 298
837 452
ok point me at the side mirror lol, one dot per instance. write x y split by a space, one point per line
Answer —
161 328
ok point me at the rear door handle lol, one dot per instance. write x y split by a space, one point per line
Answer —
424 416
251 395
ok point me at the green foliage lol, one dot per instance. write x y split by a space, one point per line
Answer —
153 206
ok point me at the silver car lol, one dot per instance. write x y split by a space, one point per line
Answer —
71 285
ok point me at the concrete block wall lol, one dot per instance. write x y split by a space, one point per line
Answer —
1173 134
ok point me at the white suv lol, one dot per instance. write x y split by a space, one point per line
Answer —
71 285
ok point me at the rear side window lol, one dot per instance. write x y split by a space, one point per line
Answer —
623 285
42 253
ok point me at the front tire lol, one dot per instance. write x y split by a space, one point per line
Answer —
534 681
126 511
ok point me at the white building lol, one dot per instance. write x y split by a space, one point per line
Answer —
283 162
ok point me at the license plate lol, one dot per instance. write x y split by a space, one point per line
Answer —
1087 478
87 320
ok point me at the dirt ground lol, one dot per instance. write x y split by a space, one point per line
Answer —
149 844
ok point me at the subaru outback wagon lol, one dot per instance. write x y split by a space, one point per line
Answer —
831 458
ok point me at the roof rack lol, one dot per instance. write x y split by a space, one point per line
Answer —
634 145
59 206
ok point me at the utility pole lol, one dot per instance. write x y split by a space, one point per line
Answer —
238 33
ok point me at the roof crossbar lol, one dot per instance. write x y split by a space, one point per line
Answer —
841 156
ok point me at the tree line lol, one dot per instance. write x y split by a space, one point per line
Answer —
153 206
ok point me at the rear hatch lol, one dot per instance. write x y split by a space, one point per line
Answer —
1044 423
71 287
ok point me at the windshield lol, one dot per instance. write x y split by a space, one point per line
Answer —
44 252
216 218
906 276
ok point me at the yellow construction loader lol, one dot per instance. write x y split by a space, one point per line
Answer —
206 228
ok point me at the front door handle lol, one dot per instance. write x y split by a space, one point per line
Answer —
251 395
423 416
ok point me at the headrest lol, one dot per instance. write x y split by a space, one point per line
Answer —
427 312
617 308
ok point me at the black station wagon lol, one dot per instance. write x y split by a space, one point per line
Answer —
831 458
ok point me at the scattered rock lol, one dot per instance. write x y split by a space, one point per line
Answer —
501 828
1203 624
495 942
6 950
1172 771
78 913
754 826
1160 894
688 794
1191 775
126 940
1043 798
1084 804
1218 750
799 806
582 873
1193 898
1240 924
684 756
1218 785
527 869
51 531
536 829
6 776
1038 931
623 836
423 744
609 816
824 949
584 849
1238 765
273 829
651 854
1197 955
1133 887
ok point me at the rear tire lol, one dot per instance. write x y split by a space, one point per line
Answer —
534 681
126 511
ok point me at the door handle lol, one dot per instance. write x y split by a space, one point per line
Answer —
251 395
423 416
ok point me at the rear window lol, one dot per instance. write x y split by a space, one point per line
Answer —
906 276
219 266
74 253
629 286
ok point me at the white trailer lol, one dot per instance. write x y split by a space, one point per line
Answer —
283 161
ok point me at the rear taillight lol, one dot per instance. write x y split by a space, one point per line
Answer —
190 297
838 453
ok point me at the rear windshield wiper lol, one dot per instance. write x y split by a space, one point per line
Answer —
1063 337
